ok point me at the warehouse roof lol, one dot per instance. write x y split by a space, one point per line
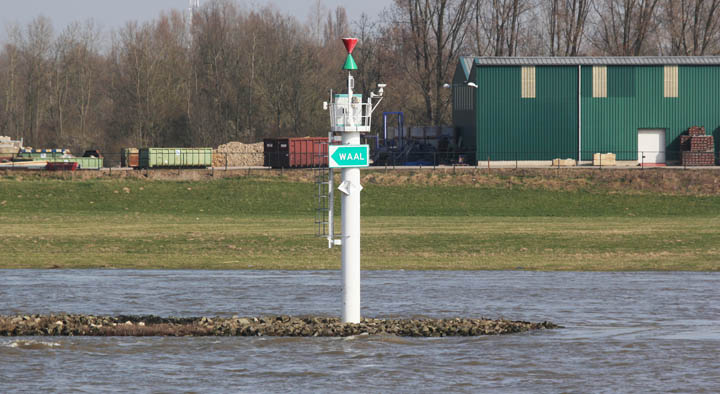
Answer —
589 61
467 61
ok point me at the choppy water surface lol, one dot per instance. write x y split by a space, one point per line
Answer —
631 332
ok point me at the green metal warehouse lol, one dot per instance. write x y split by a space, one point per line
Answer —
541 108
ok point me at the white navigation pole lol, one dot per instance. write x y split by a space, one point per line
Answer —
350 117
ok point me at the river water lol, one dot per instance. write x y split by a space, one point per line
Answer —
624 332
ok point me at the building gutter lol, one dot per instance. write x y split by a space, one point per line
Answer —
579 114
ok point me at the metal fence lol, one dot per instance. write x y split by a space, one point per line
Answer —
396 159
641 159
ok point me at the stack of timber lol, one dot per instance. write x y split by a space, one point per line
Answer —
9 148
237 154
604 159
697 148
564 162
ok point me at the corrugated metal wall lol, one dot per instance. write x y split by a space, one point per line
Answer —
463 120
635 101
511 127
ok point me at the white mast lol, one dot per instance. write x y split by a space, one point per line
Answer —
350 117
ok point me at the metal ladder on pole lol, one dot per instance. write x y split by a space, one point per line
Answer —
325 198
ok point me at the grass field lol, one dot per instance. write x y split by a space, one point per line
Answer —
267 223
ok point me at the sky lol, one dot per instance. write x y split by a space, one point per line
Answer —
111 14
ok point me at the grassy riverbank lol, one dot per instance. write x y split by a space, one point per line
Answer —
267 223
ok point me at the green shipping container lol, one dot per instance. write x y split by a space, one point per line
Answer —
175 157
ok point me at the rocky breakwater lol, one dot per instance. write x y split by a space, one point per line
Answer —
88 325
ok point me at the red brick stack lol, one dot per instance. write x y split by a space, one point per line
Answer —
696 131
685 143
705 143
698 148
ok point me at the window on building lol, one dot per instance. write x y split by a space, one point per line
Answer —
671 81
528 82
599 81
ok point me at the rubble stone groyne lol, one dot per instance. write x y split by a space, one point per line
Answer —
308 326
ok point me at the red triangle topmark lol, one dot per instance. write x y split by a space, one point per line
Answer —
350 43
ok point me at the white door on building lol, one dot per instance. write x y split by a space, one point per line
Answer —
651 146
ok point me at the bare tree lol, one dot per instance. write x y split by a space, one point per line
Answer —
75 61
315 21
498 25
367 53
566 21
434 32
288 77
148 88
88 69
623 26
692 26
35 53
337 27
12 110
213 59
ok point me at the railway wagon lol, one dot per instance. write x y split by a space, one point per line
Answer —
175 157
87 162
296 152
130 157
44 154
83 163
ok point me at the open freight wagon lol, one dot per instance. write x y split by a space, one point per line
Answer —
130 157
175 157
35 158
295 152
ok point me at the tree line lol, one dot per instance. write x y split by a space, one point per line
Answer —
232 73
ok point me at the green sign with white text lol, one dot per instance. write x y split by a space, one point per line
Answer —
348 156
